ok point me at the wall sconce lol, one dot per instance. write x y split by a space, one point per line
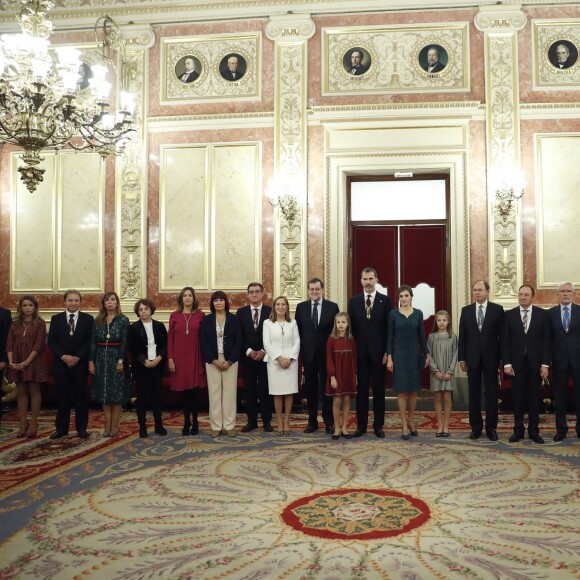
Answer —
283 192
509 185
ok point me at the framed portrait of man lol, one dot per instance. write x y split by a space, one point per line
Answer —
563 54
433 58
356 61
188 69
233 67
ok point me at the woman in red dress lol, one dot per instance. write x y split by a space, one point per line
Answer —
184 356
26 364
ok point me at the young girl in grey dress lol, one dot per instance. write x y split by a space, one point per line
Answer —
443 347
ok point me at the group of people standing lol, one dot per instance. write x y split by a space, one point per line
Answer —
343 354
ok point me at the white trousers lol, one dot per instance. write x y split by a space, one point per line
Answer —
222 389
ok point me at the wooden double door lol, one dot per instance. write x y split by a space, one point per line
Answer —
409 254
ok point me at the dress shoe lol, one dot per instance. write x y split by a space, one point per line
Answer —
231 433
445 434
215 434
311 429
58 435
439 434
359 432
412 432
267 428
143 431
473 435
249 427
160 430
335 437
405 437
329 428
346 435
83 434
537 439
514 438
185 431
379 432
492 435
559 437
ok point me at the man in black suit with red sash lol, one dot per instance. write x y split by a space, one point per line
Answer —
69 338
369 315
480 328
525 347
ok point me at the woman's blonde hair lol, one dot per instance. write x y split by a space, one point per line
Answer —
273 315
448 316
334 332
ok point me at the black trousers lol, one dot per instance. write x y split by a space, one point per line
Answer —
369 369
475 379
526 385
71 388
315 384
149 394
560 392
256 394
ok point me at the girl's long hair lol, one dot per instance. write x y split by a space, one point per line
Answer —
347 333
448 316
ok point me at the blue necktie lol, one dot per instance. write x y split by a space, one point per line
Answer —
566 319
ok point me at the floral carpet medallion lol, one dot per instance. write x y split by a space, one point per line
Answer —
363 514
398 510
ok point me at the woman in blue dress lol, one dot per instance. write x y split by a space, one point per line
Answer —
108 362
407 354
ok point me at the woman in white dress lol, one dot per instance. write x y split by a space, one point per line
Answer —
282 346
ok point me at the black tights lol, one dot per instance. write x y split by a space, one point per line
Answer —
189 402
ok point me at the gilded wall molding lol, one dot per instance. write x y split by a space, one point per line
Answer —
394 59
131 175
291 33
500 25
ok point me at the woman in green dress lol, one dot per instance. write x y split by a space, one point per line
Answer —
407 354
108 363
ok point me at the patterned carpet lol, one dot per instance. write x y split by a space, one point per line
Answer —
302 506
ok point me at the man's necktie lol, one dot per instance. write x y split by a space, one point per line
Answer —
71 324
256 319
368 305
315 315
525 321
480 317
566 319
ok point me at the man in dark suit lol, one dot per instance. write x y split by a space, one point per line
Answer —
563 59
356 66
525 348
69 338
434 65
565 326
369 314
251 319
232 72
480 327
315 319
189 74
5 322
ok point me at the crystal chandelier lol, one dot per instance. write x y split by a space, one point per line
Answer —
47 103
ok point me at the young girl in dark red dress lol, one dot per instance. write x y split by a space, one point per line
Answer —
341 369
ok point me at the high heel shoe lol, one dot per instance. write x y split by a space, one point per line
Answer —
405 437
413 432
31 433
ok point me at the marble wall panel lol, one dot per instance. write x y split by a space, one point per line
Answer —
184 194
32 231
236 211
80 251
558 214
